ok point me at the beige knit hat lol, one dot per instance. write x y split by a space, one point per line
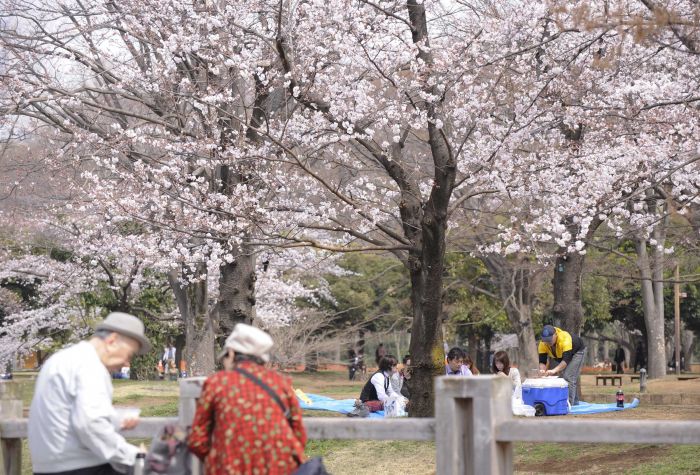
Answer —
248 340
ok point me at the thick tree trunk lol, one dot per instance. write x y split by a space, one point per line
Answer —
237 291
568 308
566 283
200 336
237 280
653 316
427 352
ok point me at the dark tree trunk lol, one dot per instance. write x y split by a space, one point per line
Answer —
568 308
237 292
237 280
424 223
566 283
427 353
200 336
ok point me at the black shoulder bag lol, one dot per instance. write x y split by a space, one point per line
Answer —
311 467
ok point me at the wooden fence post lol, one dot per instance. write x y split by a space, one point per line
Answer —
190 389
467 411
11 408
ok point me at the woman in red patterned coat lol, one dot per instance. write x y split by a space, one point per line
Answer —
238 427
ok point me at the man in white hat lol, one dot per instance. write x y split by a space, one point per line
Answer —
72 423
248 418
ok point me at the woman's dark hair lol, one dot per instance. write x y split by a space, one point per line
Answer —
470 364
455 353
387 362
501 356
240 357
406 359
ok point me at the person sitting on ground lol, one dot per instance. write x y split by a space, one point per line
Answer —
469 363
501 367
378 389
398 379
172 370
239 427
455 366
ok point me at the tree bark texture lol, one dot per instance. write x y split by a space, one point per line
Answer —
567 282
236 303
653 315
426 267
568 308
200 335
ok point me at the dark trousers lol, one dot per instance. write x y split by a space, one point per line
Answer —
105 469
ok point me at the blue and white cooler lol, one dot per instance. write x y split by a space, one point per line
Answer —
549 395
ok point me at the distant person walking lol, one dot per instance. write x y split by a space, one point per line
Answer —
239 426
566 353
71 419
620 360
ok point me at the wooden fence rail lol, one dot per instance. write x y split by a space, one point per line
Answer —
473 427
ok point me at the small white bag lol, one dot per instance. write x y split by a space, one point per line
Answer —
395 406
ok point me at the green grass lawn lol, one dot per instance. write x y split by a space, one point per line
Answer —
160 398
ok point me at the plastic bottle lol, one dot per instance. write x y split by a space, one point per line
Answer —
620 398
140 464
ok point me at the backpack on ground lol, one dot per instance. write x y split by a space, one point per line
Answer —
169 454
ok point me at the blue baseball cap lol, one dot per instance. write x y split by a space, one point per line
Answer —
548 333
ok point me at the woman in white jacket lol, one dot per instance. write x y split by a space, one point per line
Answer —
501 366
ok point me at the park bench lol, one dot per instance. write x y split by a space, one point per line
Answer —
606 378
634 378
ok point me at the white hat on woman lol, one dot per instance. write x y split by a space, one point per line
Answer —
248 340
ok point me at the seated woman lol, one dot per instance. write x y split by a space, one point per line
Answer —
378 389
239 426
398 379
501 366
469 363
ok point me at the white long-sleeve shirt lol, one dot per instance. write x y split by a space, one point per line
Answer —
514 375
71 419
381 384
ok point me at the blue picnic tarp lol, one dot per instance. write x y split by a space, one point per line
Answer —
344 406
325 403
592 408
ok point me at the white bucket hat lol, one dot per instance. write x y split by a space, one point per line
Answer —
248 340
126 325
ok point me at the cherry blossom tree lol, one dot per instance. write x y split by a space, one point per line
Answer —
237 126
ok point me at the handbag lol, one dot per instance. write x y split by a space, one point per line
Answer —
313 466
168 454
